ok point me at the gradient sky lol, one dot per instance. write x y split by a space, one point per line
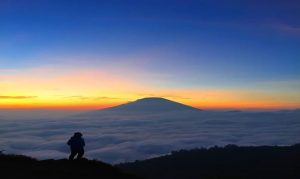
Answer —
91 54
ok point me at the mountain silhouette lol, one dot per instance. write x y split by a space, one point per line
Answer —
153 104
144 106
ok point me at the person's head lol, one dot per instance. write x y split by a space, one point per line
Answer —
77 134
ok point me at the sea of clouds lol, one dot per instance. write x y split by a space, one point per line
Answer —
116 138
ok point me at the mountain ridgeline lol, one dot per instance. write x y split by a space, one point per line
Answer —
144 106
152 105
229 162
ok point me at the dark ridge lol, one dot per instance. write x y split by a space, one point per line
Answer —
154 104
145 106
231 161
16 167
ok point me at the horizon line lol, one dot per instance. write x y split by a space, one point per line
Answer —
83 107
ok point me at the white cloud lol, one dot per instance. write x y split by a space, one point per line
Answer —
118 138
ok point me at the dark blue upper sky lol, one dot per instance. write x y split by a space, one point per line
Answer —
194 43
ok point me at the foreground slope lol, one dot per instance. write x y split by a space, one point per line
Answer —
13 167
229 162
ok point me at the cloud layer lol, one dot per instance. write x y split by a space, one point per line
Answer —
118 138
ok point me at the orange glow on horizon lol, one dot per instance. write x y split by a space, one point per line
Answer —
88 89
59 107
201 105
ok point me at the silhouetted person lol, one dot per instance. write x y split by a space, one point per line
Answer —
76 143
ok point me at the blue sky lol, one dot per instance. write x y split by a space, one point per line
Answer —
188 44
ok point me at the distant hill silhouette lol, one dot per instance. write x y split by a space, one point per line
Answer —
154 104
230 162
16 167
145 106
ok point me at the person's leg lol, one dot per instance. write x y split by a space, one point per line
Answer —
72 155
80 154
